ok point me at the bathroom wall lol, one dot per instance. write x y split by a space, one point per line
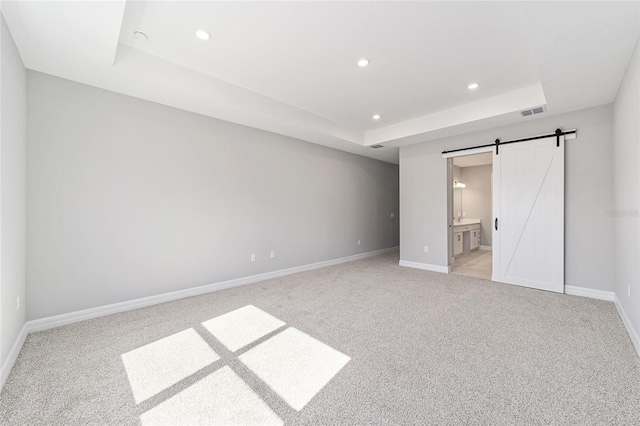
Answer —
457 193
476 198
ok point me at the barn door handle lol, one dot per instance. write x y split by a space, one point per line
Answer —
496 224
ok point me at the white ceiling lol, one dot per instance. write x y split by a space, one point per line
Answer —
290 67
305 54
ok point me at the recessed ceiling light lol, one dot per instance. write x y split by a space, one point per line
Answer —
376 117
140 35
363 62
473 86
203 35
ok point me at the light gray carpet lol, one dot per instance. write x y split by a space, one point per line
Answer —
425 348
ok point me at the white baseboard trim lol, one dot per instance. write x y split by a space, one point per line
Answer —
633 333
426 266
100 311
13 356
589 292
485 248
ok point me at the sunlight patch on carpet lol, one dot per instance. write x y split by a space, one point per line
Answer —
294 365
221 398
241 327
155 367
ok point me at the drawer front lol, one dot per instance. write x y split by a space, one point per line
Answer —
463 228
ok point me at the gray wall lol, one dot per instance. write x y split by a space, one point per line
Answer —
588 183
13 142
626 161
128 199
476 198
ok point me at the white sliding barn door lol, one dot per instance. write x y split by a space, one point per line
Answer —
528 204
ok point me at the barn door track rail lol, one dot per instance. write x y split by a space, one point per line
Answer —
498 142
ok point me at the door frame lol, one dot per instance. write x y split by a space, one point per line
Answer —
449 157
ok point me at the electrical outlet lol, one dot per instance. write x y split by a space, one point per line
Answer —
426 249
273 254
629 290
253 257
17 303
358 242
393 215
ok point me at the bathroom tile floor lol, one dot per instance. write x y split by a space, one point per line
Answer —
474 264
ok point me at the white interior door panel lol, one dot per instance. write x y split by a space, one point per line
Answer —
528 207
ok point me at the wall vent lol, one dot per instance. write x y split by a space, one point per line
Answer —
376 146
532 111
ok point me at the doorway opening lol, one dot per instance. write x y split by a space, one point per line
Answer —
470 218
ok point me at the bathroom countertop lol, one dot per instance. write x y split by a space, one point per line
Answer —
466 222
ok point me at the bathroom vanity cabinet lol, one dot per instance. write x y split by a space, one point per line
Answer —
466 236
